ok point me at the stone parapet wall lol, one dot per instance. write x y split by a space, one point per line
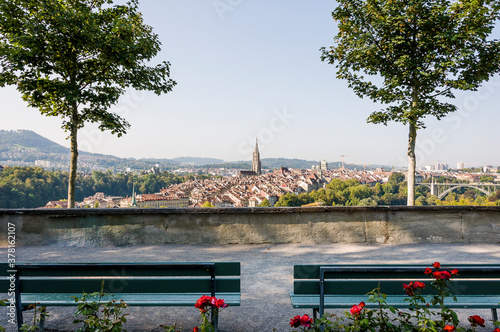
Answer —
381 224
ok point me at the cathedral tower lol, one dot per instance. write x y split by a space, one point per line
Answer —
256 166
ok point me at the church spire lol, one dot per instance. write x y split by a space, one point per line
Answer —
256 165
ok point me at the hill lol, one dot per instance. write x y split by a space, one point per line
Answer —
28 140
24 147
289 163
197 161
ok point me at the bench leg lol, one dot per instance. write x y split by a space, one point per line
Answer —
494 314
315 312
19 315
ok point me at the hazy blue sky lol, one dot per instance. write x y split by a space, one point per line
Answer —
248 69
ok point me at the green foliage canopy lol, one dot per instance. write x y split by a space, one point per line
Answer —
74 58
61 53
31 187
417 52
419 48
265 203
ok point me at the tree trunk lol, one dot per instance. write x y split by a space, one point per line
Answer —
74 158
412 162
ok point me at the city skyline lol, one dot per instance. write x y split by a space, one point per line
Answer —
239 80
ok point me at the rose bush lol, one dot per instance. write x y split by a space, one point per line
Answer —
209 307
206 304
301 321
476 320
418 318
356 309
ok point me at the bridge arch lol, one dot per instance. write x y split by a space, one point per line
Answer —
449 190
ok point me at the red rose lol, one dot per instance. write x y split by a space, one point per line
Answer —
356 310
436 265
295 321
454 271
203 302
441 275
219 303
195 329
449 328
476 320
408 289
361 304
418 284
305 321
412 286
428 270
496 330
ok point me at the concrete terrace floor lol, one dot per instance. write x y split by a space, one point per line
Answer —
266 277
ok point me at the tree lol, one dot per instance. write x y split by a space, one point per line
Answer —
265 203
360 192
370 201
470 194
207 204
420 50
288 200
397 177
420 201
487 178
495 197
75 58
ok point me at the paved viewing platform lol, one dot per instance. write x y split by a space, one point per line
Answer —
266 276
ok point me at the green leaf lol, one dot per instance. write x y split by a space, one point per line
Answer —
410 56
74 58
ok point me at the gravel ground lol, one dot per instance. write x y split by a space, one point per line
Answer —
266 277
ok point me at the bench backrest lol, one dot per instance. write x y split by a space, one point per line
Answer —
361 279
140 277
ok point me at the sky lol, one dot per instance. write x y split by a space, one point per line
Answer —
248 70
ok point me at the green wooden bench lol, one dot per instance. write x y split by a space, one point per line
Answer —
138 284
341 286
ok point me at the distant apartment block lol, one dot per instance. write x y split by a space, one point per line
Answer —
437 167
157 201
43 163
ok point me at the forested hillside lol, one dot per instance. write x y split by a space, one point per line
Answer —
28 139
31 187
352 193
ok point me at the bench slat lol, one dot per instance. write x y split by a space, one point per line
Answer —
173 299
127 285
4 267
113 269
394 287
339 301
310 271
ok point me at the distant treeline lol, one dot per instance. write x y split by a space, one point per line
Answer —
31 187
352 193
394 192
